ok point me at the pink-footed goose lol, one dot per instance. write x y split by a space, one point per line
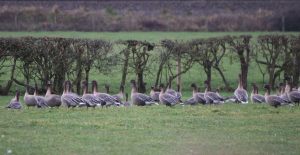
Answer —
167 99
120 96
15 103
293 95
283 95
272 100
40 100
107 100
198 97
240 93
171 91
211 97
29 100
52 100
140 99
93 101
255 97
70 99
154 94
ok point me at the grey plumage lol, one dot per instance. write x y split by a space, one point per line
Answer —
70 99
40 100
198 97
240 93
154 94
52 100
15 103
272 100
106 99
93 101
167 99
255 97
211 97
29 100
139 98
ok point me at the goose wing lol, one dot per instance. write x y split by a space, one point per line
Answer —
14 105
107 99
241 95
169 99
256 98
190 101
41 102
295 95
200 98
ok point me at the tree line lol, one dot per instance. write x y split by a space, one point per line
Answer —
58 59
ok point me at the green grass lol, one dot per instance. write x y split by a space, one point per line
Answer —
224 129
149 36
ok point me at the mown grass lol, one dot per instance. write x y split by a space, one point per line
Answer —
224 129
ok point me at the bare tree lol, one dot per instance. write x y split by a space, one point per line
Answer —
241 46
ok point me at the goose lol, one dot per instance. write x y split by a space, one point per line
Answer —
190 101
211 97
52 100
120 96
167 99
107 100
240 93
283 95
139 99
15 103
154 94
126 103
29 100
255 97
40 100
293 95
198 97
70 99
272 100
171 91
93 101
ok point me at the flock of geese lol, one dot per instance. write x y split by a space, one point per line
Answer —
167 96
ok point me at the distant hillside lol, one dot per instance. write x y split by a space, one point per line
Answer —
146 15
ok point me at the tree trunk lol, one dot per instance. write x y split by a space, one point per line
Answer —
178 80
141 84
158 74
87 73
125 67
296 70
12 75
227 87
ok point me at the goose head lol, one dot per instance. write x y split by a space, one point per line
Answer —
121 88
254 90
162 88
133 86
267 88
207 85
84 86
94 86
17 95
194 86
106 88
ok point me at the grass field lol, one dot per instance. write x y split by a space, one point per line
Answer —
224 129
